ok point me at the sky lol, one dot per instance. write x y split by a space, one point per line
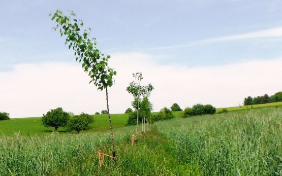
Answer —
192 51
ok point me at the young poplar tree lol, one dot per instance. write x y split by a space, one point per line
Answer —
94 63
139 92
134 89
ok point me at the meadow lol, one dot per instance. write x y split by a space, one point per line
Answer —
234 143
33 125
249 107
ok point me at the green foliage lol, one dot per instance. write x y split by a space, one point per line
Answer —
199 109
248 101
145 109
128 110
175 107
132 119
97 113
164 114
93 61
209 109
187 112
276 97
4 116
55 118
80 122
224 110
104 112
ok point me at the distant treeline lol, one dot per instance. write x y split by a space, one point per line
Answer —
263 99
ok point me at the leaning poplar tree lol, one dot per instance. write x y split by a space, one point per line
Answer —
94 63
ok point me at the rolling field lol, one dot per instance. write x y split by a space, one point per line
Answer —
238 143
249 107
32 126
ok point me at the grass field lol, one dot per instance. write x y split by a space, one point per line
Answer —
249 107
32 126
238 143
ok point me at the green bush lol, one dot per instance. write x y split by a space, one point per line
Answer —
104 112
175 107
164 114
224 110
4 116
55 118
128 110
80 122
132 119
198 109
145 108
209 109
97 113
187 112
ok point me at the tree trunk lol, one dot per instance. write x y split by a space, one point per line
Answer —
110 123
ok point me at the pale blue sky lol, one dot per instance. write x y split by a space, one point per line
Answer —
175 30
196 51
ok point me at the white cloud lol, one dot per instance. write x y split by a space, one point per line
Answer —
33 89
272 33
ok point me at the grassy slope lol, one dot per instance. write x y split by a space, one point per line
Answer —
260 106
32 126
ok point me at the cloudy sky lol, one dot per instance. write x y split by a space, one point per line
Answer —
192 51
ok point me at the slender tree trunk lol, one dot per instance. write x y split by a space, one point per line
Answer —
138 108
110 123
144 124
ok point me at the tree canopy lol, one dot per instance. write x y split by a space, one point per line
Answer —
55 118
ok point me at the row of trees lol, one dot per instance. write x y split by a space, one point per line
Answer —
59 118
174 107
277 97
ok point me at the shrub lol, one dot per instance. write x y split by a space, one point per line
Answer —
80 122
164 114
132 119
187 112
104 112
198 109
55 118
4 116
224 110
175 107
209 109
128 110
97 113
145 108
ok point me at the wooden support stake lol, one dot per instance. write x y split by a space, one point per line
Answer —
101 157
133 139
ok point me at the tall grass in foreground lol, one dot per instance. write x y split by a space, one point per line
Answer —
245 143
241 143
